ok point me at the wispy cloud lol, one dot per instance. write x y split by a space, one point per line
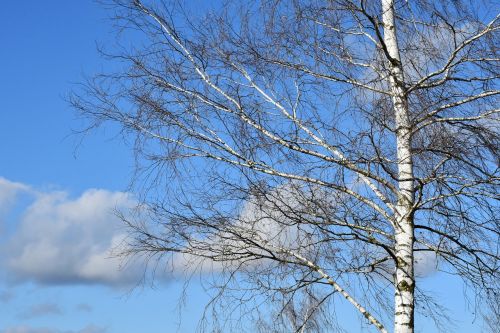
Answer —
28 329
92 329
84 307
9 191
40 310
6 296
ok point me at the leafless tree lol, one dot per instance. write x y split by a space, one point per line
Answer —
308 151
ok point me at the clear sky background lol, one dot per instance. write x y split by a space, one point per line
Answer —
58 190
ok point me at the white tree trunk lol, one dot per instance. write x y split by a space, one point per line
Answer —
404 229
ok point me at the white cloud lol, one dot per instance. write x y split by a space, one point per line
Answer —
271 220
64 240
268 219
426 263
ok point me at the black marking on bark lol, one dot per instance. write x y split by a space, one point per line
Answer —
405 286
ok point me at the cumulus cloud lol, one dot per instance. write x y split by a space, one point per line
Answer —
68 240
27 329
40 310
65 240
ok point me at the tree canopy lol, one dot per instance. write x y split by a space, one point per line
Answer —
307 150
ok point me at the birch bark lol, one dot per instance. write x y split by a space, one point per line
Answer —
404 228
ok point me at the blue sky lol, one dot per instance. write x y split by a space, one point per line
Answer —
57 191
47 172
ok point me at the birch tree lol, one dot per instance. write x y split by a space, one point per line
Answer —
308 152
